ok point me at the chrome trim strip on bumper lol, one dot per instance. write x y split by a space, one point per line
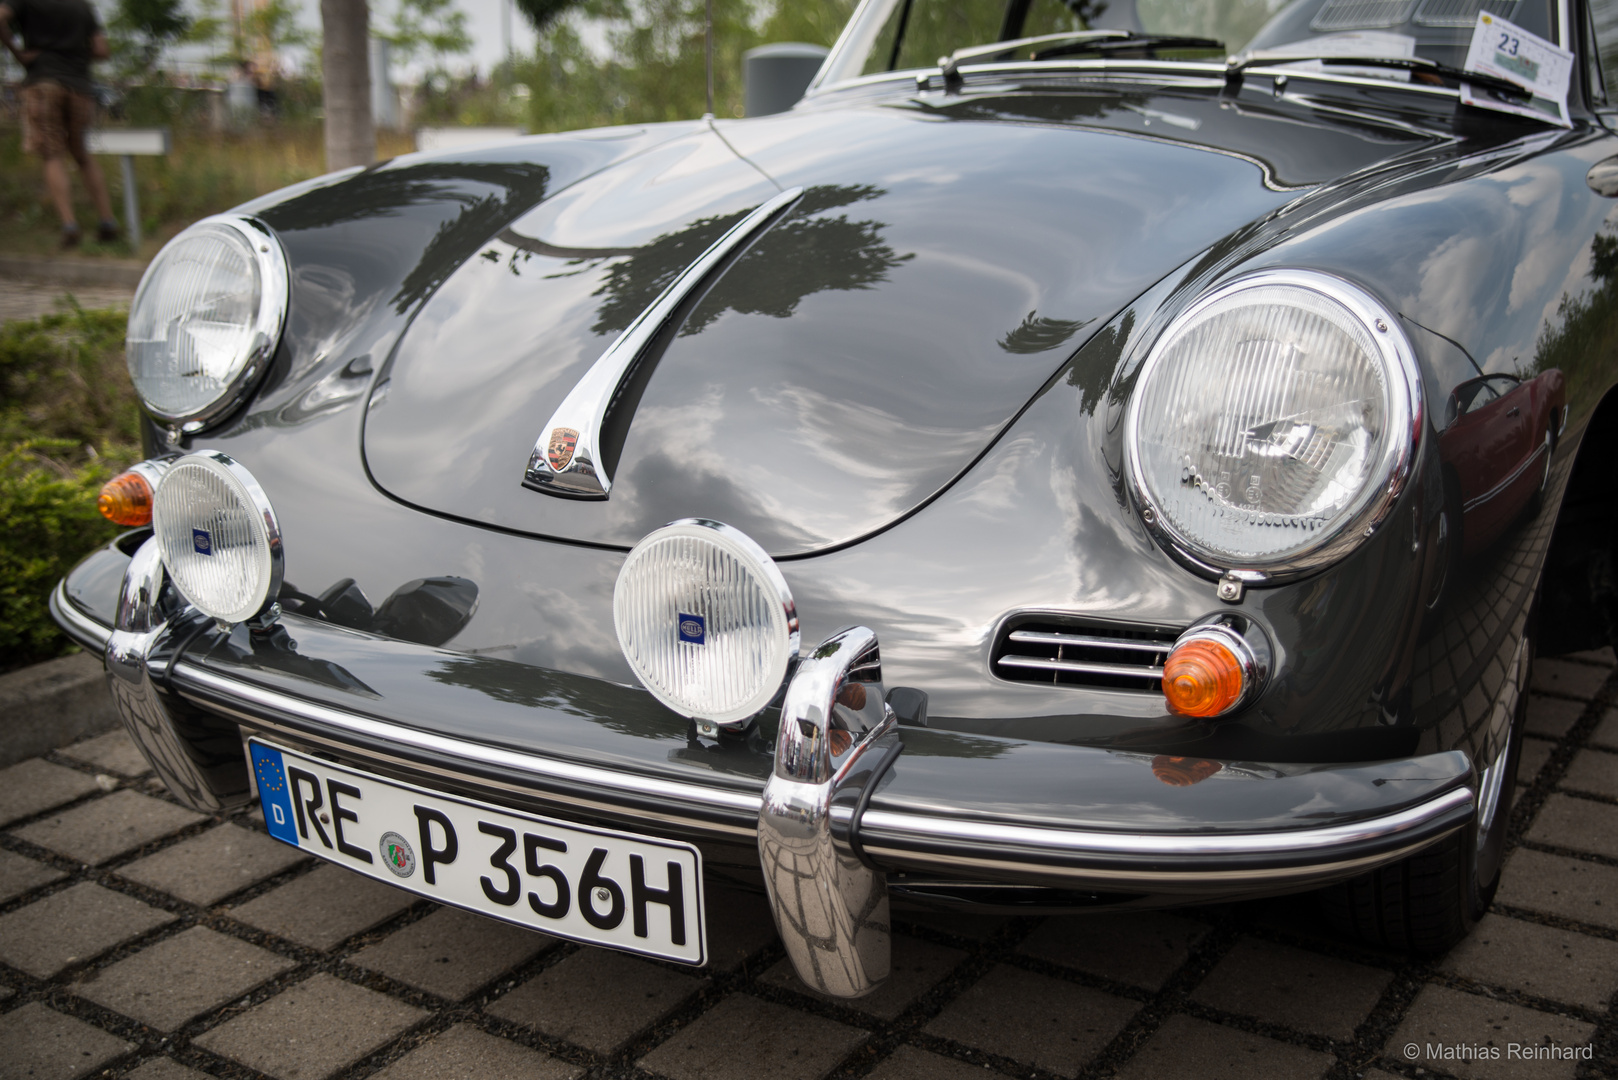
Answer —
1136 860
877 825
897 835
189 676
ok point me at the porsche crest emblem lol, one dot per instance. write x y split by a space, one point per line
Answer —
560 453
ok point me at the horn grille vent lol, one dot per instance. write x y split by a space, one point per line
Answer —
1043 650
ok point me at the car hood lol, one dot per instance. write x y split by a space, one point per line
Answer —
941 267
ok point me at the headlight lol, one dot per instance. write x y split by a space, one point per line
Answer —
1273 424
705 620
206 319
220 541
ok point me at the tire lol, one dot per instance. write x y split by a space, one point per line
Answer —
1427 902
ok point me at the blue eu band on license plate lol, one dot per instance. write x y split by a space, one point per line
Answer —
636 893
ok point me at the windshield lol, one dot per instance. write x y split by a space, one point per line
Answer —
901 35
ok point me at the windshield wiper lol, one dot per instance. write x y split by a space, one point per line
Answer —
951 65
1144 42
1236 68
1078 42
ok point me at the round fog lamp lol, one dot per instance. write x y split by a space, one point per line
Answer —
218 535
705 620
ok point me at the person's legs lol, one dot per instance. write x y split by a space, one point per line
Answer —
80 114
56 185
46 116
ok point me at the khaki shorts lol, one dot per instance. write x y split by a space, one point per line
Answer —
55 119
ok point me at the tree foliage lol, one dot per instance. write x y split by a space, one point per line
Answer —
142 29
436 27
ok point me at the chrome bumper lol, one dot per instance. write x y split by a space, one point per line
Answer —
830 823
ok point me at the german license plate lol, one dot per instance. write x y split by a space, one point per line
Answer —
639 894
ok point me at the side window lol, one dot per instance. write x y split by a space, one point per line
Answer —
1604 16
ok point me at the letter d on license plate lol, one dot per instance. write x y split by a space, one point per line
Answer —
635 893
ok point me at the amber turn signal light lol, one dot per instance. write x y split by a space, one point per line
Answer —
126 500
1202 678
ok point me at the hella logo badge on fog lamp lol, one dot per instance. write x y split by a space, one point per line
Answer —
219 538
1219 665
693 629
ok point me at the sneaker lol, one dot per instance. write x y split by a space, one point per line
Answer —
71 236
107 232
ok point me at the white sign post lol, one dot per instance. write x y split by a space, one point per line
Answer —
126 143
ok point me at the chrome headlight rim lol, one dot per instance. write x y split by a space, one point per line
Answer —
275 298
263 512
767 575
1376 499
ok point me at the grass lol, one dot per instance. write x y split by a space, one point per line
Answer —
68 422
205 173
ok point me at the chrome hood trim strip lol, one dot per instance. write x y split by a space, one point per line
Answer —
566 459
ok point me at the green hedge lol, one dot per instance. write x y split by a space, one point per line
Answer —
68 422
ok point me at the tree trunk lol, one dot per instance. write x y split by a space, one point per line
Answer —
346 68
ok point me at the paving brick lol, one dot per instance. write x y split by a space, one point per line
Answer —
1557 885
1535 753
1594 771
324 907
739 925
73 926
114 752
743 1038
1301 990
40 1042
18 875
311 1030
596 998
1442 1018
35 786
169 983
1567 677
1035 1019
1539 960
1186 1048
465 1053
1594 656
452 952
99 830
971 927
1580 824
207 868
916 968
1551 717
1140 949
909 1063
1606 732
165 1069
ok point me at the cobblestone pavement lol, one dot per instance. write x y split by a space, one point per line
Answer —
138 939
29 300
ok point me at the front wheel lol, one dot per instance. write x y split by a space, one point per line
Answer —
1427 902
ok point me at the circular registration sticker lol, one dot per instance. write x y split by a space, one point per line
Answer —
398 855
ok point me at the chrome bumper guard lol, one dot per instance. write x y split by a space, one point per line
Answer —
824 845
